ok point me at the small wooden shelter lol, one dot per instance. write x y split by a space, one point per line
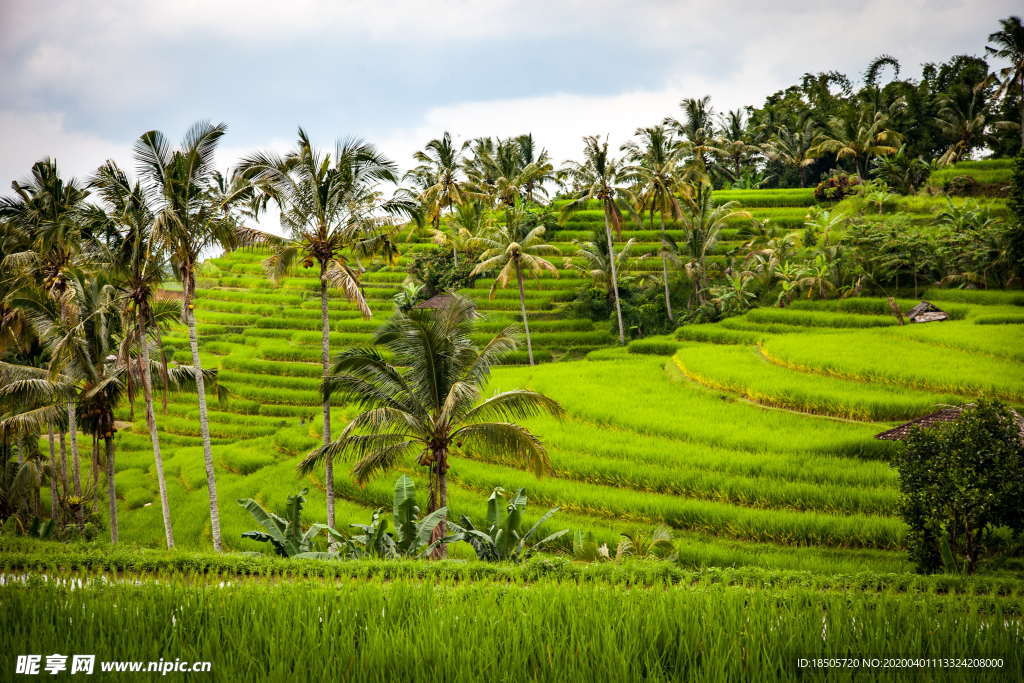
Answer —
926 312
444 300
938 417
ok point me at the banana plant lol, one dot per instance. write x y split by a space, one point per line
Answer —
285 534
411 536
504 538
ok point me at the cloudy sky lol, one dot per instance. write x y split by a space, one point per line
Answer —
81 80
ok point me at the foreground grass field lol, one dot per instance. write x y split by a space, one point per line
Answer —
548 619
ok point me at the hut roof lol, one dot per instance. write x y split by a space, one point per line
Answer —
926 312
437 301
945 415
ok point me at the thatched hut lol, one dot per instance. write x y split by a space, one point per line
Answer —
938 417
926 312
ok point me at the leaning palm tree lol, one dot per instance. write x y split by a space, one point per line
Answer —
659 176
137 267
515 250
426 402
963 122
600 177
702 222
188 222
332 212
1008 45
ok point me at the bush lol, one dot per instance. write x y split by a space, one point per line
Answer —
837 186
961 186
439 272
960 481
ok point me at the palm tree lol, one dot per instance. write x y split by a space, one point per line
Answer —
794 146
963 121
427 401
702 222
508 171
657 171
439 178
48 210
697 128
1008 45
470 219
591 260
330 208
600 177
137 268
187 222
514 250
734 147
860 140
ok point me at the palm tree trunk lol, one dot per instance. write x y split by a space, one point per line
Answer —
54 475
62 443
76 469
95 471
204 420
615 277
522 309
154 437
664 271
325 363
438 498
111 488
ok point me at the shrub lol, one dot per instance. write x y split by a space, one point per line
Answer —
961 186
837 186
960 480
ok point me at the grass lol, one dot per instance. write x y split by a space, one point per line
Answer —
882 357
744 371
407 629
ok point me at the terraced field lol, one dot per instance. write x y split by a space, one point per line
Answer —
751 439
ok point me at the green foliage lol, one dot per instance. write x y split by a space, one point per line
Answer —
837 186
285 533
960 482
504 539
438 271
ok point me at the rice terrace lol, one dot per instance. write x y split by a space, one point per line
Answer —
737 397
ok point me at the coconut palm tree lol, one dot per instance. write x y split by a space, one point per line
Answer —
794 146
509 170
591 260
656 169
47 209
515 250
963 121
137 267
332 211
188 222
860 140
470 219
1008 45
735 148
697 128
702 222
600 177
426 402
438 177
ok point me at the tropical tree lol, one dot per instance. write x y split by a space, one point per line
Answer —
332 212
658 174
47 211
515 250
697 128
438 177
860 140
600 177
702 222
427 402
1007 44
138 267
963 121
187 222
734 147
794 147
509 170
591 260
